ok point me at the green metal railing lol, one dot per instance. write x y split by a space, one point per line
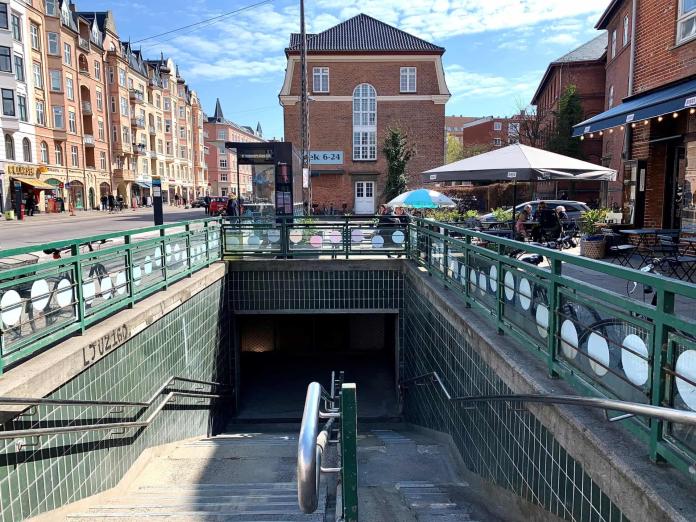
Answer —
60 288
603 343
339 236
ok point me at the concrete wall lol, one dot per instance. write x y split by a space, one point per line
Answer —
179 332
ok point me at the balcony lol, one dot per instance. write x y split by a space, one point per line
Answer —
139 149
138 123
86 108
88 140
136 95
83 43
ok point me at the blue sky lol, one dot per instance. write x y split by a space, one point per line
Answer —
497 50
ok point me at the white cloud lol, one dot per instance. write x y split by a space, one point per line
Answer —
466 84
561 38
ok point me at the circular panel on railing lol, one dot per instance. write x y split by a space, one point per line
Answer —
64 294
106 287
148 265
453 268
686 369
542 320
357 235
88 292
569 339
137 275
377 241
509 280
177 252
493 278
525 293
483 282
598 349
398 237
634 359
295 236
121 283
10 308
273 235
473 279
158 257
334 236
233 240
168 250
316 241
39 295
253 241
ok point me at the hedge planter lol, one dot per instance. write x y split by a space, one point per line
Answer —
593 247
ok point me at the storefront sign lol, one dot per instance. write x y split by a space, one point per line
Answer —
27 171
512 175
690 102
326 157
255 157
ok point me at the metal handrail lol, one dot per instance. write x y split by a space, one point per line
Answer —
630 408
313 442
38 432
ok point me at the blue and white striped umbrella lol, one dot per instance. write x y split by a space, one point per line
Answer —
421 198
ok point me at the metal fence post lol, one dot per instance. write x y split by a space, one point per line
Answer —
187 228
445 255
665 306
552 339
129 271
467 270
346 238
206 238
500 307
79 291
349 452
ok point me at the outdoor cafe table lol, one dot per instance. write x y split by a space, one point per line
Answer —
639 235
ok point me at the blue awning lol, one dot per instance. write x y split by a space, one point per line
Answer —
144 184
642 107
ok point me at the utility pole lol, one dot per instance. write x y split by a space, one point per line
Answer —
304 105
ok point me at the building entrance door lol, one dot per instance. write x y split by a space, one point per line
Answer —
674 187
365 197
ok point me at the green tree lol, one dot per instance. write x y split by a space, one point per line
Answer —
398 152
454 150
569 113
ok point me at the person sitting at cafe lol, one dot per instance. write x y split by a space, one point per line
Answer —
524 216
561 213
549 224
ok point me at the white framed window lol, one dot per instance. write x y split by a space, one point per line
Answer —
124 106
8 104
407 79
52 43
44 152
72 122
222 134
16 27
35 39
497 142
19 67
69 88
497 126
74 156
102 160
611 96
67 54
223 163
100 99
686 22
100 129
22 107
613 43
5 59
626 34
58 119
59 154
40 113
364 123
55 80
111 75
38 77
320 79
51 7
97 70
121 77
3 16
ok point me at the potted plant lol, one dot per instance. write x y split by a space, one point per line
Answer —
592 243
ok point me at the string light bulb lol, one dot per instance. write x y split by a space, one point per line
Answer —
582 138
660 118
646 122
675 115
611 131
692 111
601 133
591 135
633 125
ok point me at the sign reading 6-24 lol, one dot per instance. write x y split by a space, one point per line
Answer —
326 157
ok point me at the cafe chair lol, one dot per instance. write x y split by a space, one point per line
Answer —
620 251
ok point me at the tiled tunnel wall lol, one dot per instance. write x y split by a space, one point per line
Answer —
191 341
509 448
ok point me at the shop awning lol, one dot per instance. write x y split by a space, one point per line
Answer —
37 184
642 107
144 184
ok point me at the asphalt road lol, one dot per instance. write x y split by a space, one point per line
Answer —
45 228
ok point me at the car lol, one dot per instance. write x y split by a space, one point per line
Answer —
199 202
218 205
574 209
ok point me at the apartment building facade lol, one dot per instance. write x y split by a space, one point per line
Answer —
222 162
84 115
654 112
359 87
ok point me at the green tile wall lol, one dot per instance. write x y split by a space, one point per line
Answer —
509 448
191 341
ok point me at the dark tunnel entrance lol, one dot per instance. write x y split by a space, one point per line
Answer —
279 355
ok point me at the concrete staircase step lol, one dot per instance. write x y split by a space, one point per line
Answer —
195 516
432 502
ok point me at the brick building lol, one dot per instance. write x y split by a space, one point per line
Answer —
363 77
658 113
490 132
454 125
584 68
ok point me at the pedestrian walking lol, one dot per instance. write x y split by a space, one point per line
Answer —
104 201
206 203
111 200
29 204
119 202
232 207
176 199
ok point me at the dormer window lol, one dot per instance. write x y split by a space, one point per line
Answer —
407 82
320 79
